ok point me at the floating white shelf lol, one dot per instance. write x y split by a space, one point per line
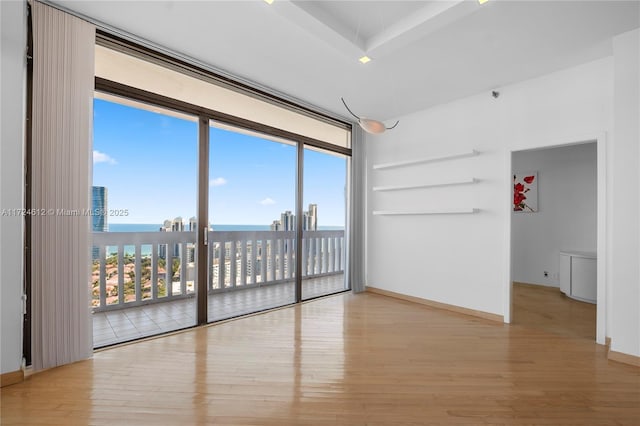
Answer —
425 160
425 212
424 185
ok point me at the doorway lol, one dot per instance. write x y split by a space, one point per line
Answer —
565 217
252 183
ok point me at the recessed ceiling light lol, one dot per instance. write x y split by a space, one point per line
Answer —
271 1
479 1
365 59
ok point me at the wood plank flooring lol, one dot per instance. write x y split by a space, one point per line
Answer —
546 308
343 360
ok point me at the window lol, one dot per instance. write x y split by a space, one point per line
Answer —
239 214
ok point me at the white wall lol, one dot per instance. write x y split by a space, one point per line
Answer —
13 68
462 260
625 177
566 217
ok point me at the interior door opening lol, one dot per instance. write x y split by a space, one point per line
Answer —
554 239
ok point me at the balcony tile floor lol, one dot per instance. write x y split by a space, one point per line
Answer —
142 321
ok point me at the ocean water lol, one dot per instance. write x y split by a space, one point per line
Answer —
134 227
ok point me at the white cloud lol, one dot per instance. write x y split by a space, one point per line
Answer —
219 181
268 202
101 157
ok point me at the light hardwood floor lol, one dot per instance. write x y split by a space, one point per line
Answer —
342 360
546 308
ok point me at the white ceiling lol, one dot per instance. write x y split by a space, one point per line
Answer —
359 21
424 52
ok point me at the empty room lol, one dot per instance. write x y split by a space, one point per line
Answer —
281 212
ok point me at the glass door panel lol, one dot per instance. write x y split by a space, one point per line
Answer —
324 250
251 238
144 189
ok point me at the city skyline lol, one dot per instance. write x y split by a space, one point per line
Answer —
148 162
287 221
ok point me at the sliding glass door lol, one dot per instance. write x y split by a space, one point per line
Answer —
204 211
272 232
324 251
143 220
251 229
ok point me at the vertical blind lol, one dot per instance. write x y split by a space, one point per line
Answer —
63 83
358 213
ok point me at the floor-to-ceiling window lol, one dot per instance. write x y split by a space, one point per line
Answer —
251 227
143 220
323 222
227 203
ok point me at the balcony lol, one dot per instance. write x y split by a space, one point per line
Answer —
135 294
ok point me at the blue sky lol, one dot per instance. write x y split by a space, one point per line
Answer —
148 162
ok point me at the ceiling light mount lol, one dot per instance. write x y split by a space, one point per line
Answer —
369 125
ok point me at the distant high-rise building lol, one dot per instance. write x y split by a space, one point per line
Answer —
191 248
191 253
287 220
99 209
177 225
99 222
312 218
276 225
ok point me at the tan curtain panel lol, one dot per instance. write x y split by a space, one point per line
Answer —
63 81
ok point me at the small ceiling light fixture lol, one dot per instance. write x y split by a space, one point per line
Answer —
369 125
271 1
479 1
363 59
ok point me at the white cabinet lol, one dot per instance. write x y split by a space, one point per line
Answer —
578 277
565 273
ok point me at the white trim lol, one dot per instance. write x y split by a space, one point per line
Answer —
507 298
601 240
425 160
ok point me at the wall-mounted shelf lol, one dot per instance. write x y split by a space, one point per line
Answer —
425 160
425 212
424 185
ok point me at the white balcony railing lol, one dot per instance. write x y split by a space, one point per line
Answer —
138 268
